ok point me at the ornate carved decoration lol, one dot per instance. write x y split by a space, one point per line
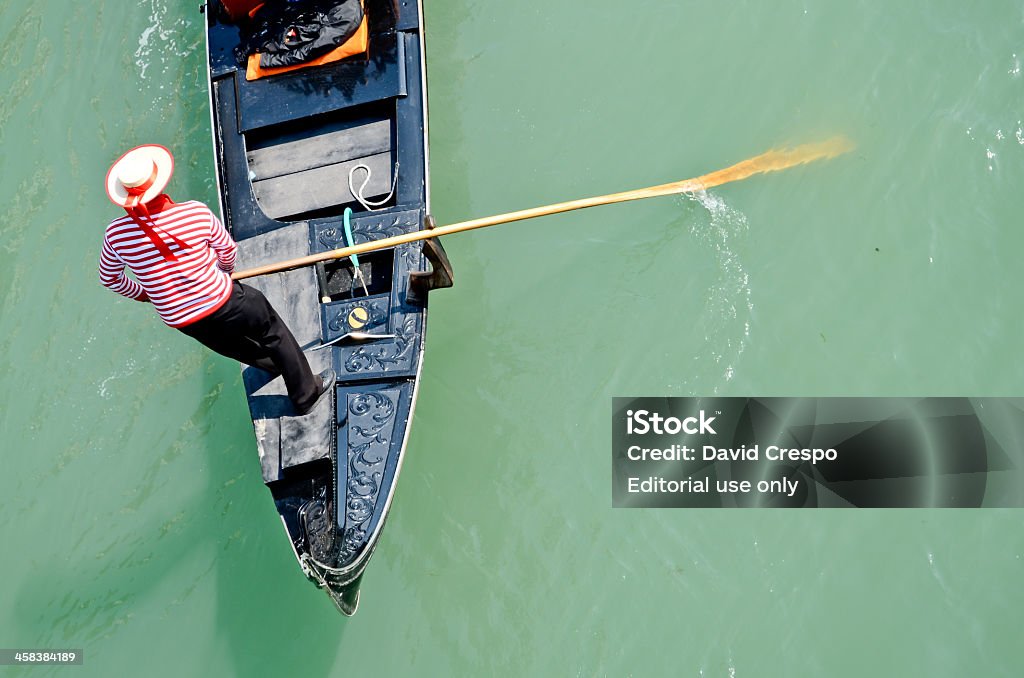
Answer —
333 237
371 422
316 519
386 356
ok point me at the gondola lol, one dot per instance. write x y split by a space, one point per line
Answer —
299 154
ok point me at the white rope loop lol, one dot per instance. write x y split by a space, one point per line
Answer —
370 205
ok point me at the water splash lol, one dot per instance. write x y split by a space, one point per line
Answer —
729 303
164 45
102 389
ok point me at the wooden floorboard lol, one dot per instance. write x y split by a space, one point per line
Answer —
317 151
322 187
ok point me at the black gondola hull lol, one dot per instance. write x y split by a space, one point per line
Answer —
294 151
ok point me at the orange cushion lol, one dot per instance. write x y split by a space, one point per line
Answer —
357 44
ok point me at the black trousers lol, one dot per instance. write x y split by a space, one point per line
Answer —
248 329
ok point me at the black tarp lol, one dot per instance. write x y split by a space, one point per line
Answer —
290 32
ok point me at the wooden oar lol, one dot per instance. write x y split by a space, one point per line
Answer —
771 161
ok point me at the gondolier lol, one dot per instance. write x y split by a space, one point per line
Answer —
182 258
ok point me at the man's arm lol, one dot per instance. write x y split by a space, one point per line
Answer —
112 275
222 244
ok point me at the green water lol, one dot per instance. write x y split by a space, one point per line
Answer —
132 516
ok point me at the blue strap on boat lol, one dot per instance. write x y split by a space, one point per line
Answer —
349 240
354 258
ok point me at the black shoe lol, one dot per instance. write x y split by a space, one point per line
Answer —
328 379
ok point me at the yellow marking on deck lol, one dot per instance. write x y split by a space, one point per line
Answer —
358 318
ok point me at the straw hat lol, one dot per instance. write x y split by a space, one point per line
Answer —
139 175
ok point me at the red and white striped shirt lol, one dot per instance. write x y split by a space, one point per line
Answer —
185 290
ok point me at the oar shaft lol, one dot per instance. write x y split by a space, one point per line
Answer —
484 222
766 162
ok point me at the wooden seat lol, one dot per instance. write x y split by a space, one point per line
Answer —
311 174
